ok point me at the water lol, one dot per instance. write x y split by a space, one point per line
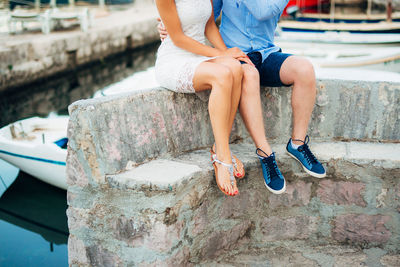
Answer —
55 94
33 223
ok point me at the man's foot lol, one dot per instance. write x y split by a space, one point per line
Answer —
307 159
273 178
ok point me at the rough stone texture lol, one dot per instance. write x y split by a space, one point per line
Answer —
296 194
341 193
300 255
350 260
119 215
32 56
77 252
390 260
299 227
361 228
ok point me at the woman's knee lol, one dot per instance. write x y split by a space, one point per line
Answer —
236 68
222 77
234 65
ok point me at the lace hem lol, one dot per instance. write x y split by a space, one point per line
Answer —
184 84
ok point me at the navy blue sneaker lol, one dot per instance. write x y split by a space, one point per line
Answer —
307 159
273 178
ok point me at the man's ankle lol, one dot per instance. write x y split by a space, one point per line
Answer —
296 140
294 145
266 148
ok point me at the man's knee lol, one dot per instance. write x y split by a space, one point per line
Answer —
304 71
250 73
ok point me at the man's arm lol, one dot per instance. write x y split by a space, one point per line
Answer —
265 9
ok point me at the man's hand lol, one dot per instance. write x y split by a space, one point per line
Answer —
233 52
238 54
162 30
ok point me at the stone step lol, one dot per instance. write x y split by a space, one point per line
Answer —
308 256
169 212
168 172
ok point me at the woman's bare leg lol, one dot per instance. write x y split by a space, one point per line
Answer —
236 69
219 79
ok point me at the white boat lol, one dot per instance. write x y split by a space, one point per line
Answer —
37 146
342 56
346 28
334 37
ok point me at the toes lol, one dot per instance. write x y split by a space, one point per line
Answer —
228 189
235 189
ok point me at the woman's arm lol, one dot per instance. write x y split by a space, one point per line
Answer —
170 18
212 33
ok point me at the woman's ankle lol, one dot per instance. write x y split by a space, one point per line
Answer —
225 158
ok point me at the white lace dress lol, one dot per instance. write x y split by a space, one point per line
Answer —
175 67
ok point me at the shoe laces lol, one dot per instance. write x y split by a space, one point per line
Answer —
272 167
305 150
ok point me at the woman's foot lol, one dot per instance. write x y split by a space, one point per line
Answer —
224 176
238 167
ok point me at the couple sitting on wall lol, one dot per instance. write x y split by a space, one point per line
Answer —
242 57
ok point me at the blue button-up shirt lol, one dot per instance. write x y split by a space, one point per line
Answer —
250 24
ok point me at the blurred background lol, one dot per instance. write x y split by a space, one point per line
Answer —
54 52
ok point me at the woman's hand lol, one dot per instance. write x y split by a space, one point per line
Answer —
162 30
238 54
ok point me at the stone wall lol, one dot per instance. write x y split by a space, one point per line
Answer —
142 193
25 59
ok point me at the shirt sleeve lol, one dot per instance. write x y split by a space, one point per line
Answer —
217 7
265 9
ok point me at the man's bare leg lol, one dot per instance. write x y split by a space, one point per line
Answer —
300 72
250 108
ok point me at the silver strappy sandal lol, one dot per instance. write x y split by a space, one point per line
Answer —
228 166
234 161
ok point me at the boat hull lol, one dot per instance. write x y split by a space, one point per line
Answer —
46 161
320 26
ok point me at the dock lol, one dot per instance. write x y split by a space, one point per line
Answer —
29 56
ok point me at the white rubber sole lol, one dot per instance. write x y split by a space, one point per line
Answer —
313 174
276 192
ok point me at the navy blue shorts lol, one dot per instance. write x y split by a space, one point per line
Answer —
270 68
